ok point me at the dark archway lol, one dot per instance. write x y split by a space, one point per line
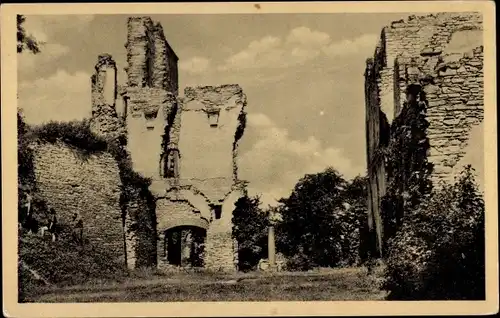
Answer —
184 246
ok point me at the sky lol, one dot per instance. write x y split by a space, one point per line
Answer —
302 74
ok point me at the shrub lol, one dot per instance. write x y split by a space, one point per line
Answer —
438 254
250 230
64 262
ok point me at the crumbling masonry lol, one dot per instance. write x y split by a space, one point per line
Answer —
438 61
186 146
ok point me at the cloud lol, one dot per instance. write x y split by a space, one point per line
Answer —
275 162
307 37
61 97
301 45
351 46
38 26
49 51
195 65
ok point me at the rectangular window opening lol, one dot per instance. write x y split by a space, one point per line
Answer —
217 211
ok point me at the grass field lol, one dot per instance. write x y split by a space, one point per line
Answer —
330 284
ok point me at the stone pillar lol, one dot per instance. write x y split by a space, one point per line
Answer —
162 251
138 47
271 250
186 247
105 121
160 58
219 254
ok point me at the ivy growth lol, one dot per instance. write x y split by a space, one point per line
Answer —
408 169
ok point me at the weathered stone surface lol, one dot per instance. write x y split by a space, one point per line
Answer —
105 121
71 182
428 51
198 135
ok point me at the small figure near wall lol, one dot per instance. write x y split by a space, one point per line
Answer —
77 223
53 227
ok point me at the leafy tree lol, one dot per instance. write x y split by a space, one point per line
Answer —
25 41
250 226
438 254
311 230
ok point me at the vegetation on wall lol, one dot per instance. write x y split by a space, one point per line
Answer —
78 134
407 167
439 251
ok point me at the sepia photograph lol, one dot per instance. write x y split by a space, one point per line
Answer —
250 156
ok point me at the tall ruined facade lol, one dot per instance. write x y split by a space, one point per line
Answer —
435 62
186 145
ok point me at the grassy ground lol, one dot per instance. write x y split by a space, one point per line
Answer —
86 274
332 284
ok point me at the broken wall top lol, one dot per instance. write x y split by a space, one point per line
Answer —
421 35
213 97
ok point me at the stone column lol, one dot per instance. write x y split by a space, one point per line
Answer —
271 250
162 251
137 49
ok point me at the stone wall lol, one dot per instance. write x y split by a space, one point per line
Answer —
209 121
221 250
139 228
442 53
89 185
418 35
105 121
454 94
151 93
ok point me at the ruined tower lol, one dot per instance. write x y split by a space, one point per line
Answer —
436 60
186 145
104 120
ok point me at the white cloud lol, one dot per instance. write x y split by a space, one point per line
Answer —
37 26
352 46
275 163
27 61
194 65
307 37
300 45
60 97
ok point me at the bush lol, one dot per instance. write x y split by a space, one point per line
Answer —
64 262
438 254
250 230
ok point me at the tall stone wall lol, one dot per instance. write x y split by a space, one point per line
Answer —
72 182
443 53
209 121
455 104
105 121
151 93
418 35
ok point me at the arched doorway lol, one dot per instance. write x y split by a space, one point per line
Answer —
184 246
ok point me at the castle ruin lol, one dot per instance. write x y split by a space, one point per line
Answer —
436 61
186 145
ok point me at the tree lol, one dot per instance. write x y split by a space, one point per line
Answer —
439 253
312 229
25 41
250 230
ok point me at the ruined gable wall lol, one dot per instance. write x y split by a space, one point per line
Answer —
206 141
71 183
